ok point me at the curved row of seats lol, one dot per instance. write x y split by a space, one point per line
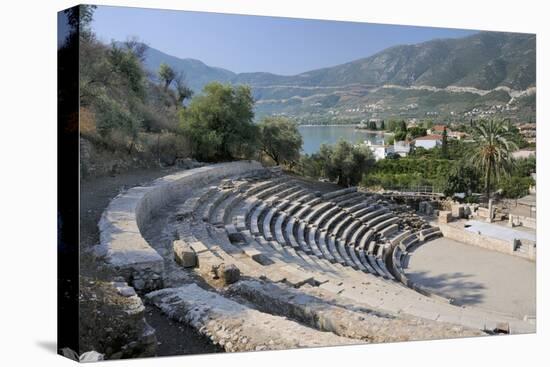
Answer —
342 227
278 216
211 203
263 222
214 247
402 246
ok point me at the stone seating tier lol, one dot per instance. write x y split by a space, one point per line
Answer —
337 193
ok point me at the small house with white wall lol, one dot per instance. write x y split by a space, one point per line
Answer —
523 153
403 148
380 151
428 141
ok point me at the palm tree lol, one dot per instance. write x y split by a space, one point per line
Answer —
492 153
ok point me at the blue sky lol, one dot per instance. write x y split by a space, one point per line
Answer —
244 43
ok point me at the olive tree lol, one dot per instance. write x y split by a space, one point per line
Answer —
345 163
219 122
280 140
166 74
183 91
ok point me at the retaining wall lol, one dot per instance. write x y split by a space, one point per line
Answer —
121 244
461 235
520 220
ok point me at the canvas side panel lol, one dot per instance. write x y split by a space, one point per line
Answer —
67 179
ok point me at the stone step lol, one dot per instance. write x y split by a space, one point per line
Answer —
334 194
316 311
234 326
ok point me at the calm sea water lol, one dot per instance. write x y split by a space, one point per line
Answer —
314 136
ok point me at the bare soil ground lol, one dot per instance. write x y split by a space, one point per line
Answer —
95 195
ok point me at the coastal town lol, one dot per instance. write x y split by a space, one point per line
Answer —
434 136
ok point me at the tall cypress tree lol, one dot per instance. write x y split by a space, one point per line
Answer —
444 144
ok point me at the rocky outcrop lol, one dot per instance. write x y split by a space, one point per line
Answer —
112 321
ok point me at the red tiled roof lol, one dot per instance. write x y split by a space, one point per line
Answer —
430 137
438 127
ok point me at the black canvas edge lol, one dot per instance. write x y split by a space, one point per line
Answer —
68 185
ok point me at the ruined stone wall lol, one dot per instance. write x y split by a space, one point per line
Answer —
520 220
470 238
121 244
507 247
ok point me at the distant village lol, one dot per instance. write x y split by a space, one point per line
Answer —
434 138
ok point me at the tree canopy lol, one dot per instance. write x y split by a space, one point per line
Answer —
445 144
280 140
166 74
182 90
463 178
219 122
492 153
344 162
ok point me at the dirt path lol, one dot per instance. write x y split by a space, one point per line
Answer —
95 195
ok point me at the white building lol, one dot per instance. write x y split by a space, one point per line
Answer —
403 148
523 153
380 151
428 141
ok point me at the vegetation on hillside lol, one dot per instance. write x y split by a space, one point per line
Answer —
123 112
482 165
145 118
452 168
135 117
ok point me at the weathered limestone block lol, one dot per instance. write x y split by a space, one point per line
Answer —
113 322
361 323
457 210
233 234
184 254
227 184
234 326
228 273
91 356
483 213
256 255
425 207
444 216
429 208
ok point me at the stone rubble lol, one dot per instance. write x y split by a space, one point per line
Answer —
112 321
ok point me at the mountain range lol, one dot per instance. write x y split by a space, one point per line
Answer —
490 72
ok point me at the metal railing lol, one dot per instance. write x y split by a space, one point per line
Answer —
420 189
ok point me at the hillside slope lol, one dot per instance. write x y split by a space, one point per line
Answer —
197 73
485 61
442 77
